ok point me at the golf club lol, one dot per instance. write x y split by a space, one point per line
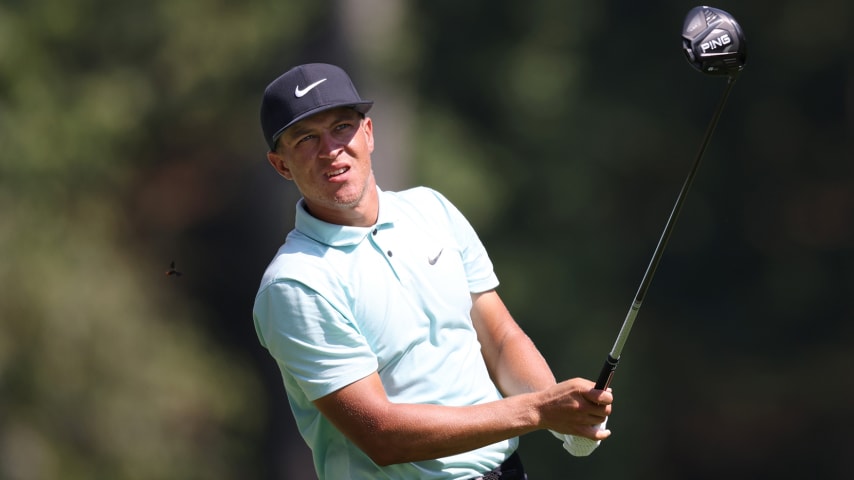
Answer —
714 44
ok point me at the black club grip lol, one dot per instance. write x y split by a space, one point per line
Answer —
607 372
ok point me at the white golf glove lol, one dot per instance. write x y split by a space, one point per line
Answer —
579 446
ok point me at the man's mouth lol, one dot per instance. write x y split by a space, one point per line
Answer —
335 173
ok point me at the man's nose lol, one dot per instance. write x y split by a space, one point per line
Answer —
330 147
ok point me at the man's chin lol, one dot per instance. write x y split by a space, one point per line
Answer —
351 200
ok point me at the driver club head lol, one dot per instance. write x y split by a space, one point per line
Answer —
713 42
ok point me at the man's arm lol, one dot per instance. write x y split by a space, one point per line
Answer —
395 433
514 363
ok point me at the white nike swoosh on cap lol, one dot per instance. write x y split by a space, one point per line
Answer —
299 93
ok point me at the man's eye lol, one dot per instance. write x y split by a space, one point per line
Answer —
305 139
343 126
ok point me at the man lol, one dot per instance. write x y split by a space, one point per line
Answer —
398 357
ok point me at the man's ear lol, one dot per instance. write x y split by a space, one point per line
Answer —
278 162
369 133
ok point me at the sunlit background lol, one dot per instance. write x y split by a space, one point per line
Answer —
129 140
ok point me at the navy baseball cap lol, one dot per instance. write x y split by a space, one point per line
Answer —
303 91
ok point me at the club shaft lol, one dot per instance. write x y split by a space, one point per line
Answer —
607 372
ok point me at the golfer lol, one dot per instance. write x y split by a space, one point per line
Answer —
398 357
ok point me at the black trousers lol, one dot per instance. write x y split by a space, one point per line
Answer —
511 469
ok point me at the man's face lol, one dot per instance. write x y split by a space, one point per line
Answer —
328 157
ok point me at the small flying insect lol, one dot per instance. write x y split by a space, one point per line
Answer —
172 272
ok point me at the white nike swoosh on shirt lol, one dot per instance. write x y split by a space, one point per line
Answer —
299 93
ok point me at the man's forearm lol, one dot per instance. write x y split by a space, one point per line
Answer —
412 433
396 433
520 368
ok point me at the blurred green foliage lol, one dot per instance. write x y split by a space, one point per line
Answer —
106 370
563 129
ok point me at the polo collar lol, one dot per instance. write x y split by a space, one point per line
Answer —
342 235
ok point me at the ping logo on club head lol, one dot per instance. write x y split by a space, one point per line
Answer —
716 43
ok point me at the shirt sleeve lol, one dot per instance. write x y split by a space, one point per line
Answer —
311 340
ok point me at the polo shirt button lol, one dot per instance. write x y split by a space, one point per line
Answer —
375 231
388 253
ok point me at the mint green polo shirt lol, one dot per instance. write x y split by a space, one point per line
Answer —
338 303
